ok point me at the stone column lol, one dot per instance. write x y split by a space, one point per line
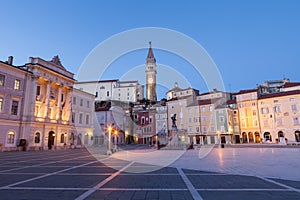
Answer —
33 96
67 106
47 101
58 115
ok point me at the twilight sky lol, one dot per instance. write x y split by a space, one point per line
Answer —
249 41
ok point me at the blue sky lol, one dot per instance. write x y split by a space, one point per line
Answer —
250 41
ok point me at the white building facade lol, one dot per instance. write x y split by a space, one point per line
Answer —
105 90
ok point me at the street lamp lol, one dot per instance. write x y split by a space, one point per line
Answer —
116 133
109 139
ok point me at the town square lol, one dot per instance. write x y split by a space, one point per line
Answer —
149 100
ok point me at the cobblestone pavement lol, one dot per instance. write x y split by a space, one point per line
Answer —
76 174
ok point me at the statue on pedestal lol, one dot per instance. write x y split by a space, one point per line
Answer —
174 121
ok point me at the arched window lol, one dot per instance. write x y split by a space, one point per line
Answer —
37 137
62 138
11 137
79 139
72 138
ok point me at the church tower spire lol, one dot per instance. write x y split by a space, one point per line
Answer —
151 75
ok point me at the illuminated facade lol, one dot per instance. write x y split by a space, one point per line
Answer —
247 102
280 117
38 99
106 90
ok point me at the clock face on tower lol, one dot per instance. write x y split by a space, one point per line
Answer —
150 80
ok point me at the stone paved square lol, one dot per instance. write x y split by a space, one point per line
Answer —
76 174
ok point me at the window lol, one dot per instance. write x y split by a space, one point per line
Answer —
264 110
204 118
255 123
222 129
73 117
38 90
296 121
279 122
254 112
212 118
62 138
17 84
74 100
190 120
2 80
62 98
235 120
150 120
204 128
88 104
81 102
203 109
11 137
37 137
212 128
277 109
294 107
107 93
96 95
87 119
211 108
1 103
14 107
221 118
197 129
143 120
80 118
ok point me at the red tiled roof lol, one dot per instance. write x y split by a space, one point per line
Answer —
279 94
205 102
231 101
290 84
246 91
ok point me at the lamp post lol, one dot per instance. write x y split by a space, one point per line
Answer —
116 133
109 139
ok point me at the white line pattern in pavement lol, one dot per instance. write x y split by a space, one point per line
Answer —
37 165
189 185
99 185
49 174
280 184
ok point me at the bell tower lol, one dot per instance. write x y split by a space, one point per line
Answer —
151 75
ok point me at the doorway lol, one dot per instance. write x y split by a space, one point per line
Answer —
297 136
245 138
267 137
257 137
251 138
223 140
237 139
51 138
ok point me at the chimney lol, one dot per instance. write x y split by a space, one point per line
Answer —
10 60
